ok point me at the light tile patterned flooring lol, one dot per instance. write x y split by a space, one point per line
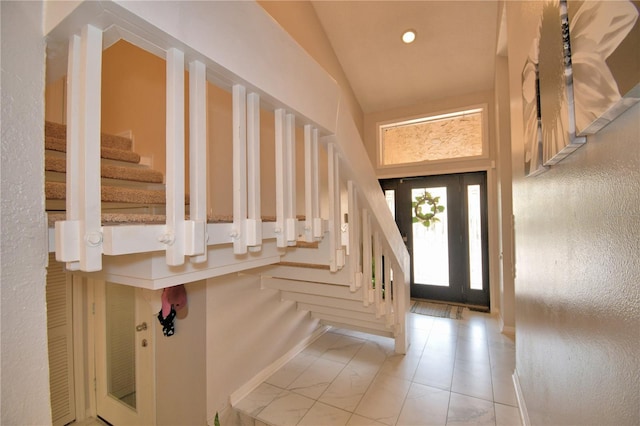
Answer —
456 372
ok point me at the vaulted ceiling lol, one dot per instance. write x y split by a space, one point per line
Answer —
453 54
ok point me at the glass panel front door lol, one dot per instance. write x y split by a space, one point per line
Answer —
430 241
443 220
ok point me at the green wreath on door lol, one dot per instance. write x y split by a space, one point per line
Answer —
427 200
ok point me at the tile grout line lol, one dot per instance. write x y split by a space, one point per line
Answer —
416 372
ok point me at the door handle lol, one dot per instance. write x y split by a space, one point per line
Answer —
141 327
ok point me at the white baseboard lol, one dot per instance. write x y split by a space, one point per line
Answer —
505 328
263 375
524 414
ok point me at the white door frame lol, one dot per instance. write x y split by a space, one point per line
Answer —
145 360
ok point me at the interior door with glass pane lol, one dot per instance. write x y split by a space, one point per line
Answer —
124 355
446 235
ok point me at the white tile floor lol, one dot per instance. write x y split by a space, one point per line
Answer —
456 372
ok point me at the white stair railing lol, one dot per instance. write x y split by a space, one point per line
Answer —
369 234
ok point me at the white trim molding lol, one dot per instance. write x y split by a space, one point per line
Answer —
524 414
505 329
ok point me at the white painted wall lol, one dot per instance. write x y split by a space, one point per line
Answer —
504 197
247 330
23 252
578 269
180 380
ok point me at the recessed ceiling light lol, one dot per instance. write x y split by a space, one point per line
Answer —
409 36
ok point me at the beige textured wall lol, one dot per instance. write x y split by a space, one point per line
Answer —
23 242
247 330
577 293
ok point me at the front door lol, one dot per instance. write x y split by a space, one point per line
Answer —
124 355
443 220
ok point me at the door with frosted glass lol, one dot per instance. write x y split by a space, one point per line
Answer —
443 221
124 355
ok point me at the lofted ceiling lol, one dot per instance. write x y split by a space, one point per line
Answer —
454 53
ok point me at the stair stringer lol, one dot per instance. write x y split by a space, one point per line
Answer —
327 298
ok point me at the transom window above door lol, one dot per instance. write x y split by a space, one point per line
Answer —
454 135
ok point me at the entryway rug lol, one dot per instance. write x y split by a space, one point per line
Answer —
440 310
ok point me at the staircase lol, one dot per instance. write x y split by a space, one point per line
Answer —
134 193
130 191
137 231
331 297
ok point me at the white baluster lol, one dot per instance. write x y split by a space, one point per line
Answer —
174 237
388 307
336 258
366 258
67 232
318 230
79 238
400 301
254 216
195 232
310 180
356 236
239 169
286 221
280 118
377 255
352 235
291 224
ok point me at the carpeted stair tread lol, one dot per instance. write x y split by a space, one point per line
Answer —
58 164
113 194
59 131
60 145
143 218
118 218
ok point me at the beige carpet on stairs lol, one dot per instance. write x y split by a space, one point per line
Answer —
60 145
59 131
112 194
117 148
137 174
